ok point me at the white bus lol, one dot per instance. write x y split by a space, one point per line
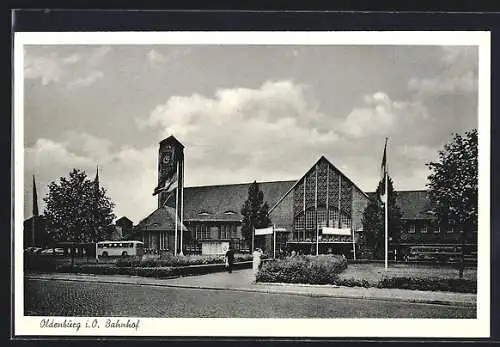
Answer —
106 249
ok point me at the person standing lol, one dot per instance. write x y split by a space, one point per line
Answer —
230 259
257 254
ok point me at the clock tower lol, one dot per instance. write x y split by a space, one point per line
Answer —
170 162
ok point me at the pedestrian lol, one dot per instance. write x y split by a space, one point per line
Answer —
294 253
229 259
256 259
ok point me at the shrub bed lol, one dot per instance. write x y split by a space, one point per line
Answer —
459 285
303 269
168 260
326 270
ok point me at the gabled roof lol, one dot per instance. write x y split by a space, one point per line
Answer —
214 202
171 139
414 204
160 219
123 219
322 158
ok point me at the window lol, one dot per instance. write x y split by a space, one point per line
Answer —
333 218
411 228
299 222
321 217
229 212
437 229
225 232
423 229
310 219
449 230
345 221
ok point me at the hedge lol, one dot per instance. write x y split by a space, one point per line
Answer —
325 270
459 285
168 260
303 269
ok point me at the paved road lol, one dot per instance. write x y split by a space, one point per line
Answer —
63 298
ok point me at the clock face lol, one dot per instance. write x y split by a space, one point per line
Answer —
167 157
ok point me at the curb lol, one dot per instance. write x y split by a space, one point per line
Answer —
264 290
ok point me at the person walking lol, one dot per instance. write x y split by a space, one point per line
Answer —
230 259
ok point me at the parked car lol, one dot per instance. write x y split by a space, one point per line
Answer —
33 250
53 251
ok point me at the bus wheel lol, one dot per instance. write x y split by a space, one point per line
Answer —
124 254
104 254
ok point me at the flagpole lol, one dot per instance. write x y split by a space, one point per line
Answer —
253 238
176 214
274 243
34 211
386 214
182 203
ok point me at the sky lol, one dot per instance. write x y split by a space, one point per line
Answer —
244 113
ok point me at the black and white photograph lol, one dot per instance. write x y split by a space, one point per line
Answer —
252 184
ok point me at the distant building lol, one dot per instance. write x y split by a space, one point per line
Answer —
35 233
126 225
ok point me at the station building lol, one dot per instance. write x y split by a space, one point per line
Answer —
299 209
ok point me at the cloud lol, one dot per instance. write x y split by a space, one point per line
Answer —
155 57
96 55
48 69
128 174
458 75
381 116
249 132
85 81
74 70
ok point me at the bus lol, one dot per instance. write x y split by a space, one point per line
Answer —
106 249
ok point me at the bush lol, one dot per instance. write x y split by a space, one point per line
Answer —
169 260
303 269
458 285
352 282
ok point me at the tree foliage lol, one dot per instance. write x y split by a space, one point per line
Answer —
78 210
453 182
374 220
254 211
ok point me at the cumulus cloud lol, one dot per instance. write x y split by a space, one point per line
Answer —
381 116
74 70
85 81
247 130
155 57
458 73
128 174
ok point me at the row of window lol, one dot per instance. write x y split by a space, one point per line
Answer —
332 220
224 231
424 229
117 245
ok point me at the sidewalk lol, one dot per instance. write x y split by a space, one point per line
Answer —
242 280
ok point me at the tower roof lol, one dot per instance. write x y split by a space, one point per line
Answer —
171 140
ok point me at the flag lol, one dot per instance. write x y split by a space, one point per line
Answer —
168 171
383 173
35 199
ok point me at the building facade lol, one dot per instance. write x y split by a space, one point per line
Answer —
319 213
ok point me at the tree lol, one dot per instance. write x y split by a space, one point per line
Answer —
255 212
453 186
77 210
374 220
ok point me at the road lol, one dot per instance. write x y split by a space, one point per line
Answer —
66 298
